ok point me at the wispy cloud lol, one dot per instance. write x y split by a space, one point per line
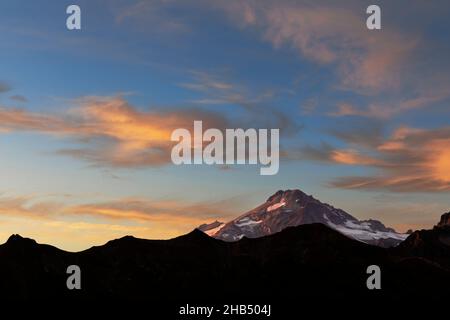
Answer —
399 69
4 87
150 15
409 160
24 206
330 35
217 89
168 211
19 98
128 209
111 131
385 110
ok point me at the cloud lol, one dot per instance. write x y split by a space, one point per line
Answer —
403 211
151 16
401 69
330 35
110 131
362 133
19 98
346 109
156 211
350 156
409 160
21 120
217 89
385 110
394 184
24 206
308 107
4 87
126 209
326 153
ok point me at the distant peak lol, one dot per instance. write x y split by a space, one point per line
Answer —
445 220
276 194
195 234
124 239
294 193
17 238
127 238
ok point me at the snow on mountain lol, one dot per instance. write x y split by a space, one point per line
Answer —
292 208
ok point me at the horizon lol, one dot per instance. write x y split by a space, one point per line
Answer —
79 249
86 115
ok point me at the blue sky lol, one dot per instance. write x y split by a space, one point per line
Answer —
363 115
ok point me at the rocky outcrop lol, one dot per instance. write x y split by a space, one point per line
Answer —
445 220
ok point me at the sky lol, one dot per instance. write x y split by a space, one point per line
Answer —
86 115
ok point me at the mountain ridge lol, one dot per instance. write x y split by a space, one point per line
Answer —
314 257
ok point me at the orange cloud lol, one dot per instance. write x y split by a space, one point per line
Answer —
151 211
439 159
114 132
24 206
127 209
352 157
410 160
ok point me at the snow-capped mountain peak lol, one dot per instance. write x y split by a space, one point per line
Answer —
293 207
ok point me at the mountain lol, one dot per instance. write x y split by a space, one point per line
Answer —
310 263
292 208
429 244
445 220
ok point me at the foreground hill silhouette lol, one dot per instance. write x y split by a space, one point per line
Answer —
305 262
